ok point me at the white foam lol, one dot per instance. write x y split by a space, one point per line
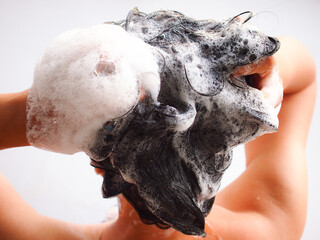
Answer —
84 78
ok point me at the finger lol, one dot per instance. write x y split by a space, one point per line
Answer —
262 67
264 77
273 89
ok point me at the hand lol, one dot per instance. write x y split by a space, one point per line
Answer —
264 75
274 183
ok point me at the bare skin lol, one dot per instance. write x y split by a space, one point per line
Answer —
13 120
268 201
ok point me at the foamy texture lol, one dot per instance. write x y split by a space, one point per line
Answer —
230 101
169 157
85 78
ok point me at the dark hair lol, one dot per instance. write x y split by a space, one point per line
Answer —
167 157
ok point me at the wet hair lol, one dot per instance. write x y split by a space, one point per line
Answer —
167 157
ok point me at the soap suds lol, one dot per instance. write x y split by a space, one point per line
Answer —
84 78
164 145
168 156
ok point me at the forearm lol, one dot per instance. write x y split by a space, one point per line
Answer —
274 184
13 120
277 161
20 221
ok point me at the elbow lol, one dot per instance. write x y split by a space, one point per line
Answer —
298 68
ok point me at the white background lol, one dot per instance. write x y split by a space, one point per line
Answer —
66 187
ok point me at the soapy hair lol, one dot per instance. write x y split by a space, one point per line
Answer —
167 156
153 101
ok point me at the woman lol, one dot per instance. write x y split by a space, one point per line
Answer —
268 201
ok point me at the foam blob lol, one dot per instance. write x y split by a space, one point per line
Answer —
85 78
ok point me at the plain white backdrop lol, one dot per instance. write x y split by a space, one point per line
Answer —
66 187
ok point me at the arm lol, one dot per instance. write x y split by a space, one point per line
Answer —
13 120
18 219
269 200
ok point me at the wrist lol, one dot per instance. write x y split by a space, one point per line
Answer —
13 120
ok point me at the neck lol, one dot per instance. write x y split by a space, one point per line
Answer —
129 226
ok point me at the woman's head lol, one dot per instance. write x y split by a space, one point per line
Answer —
167 155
